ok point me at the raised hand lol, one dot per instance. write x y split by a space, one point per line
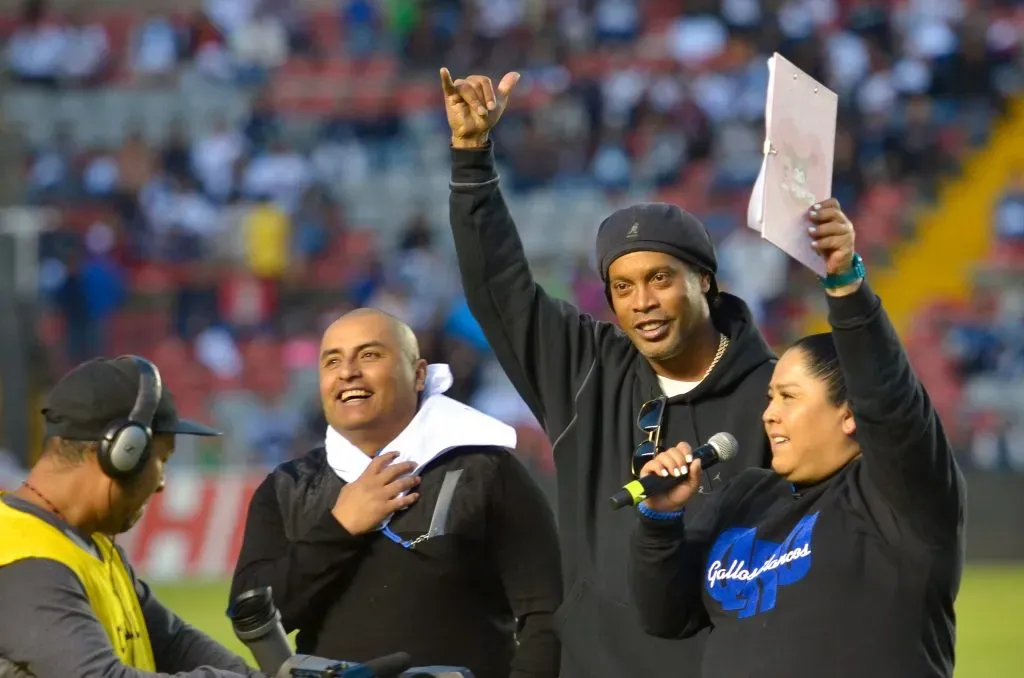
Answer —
832 235
474 106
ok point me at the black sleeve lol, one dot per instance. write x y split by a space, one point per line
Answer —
906 454
524 545
545 346
180 647
666 575
298 571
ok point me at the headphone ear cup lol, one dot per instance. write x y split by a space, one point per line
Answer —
124 452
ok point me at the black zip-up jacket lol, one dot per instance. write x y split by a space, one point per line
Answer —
482 595
851 577
585 382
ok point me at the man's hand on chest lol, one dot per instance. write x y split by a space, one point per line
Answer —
382 489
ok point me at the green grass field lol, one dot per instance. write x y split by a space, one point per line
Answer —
990 620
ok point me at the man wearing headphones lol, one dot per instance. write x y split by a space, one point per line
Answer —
70 605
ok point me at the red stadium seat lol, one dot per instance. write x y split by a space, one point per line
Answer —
1007 256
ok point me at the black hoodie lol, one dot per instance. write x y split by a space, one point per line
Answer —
853 576
585 382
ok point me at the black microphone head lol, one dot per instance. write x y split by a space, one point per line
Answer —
252 610
390 665
725 445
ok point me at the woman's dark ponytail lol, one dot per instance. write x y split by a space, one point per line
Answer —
822 362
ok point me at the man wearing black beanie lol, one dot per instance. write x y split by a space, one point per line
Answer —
685 362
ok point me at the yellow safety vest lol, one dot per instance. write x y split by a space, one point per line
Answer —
107 582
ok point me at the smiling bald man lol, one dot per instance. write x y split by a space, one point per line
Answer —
413 528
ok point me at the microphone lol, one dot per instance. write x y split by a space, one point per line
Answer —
720 447
388 666
257 623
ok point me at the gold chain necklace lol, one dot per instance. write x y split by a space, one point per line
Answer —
723 343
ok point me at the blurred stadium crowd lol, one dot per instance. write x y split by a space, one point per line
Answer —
228 175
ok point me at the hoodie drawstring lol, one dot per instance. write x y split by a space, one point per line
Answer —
697 440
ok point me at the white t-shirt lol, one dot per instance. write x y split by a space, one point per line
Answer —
674 387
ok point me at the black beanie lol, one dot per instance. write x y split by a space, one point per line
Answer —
656 227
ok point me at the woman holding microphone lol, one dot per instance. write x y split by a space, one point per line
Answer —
845 558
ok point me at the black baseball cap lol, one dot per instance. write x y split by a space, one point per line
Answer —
99 392
656 227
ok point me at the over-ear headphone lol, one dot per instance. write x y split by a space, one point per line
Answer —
125 446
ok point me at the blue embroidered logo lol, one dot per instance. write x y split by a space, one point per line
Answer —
745 573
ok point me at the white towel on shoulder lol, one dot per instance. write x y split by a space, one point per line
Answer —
441 425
